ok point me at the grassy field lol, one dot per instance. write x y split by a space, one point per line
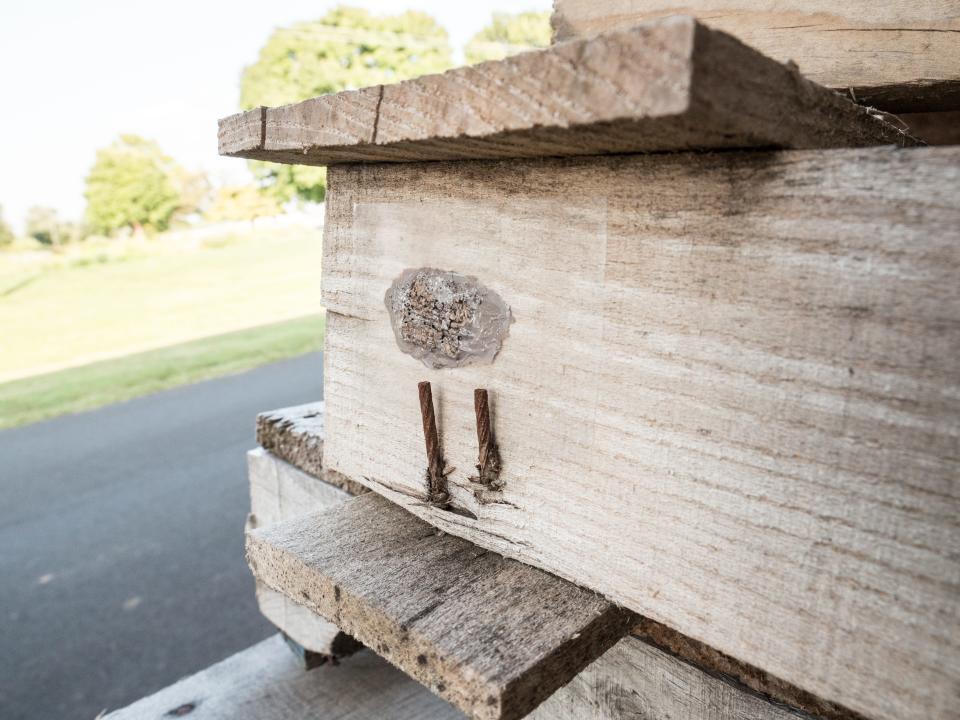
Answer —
107 322
108 381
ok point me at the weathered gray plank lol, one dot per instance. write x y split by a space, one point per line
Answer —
729 399
279 491
670 84
898 56
637 680
295 434
595 699
266 682
493 636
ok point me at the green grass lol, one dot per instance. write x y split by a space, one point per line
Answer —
113 298
108 381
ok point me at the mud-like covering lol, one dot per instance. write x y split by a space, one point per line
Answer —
445 319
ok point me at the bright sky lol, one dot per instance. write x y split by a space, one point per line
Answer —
76 74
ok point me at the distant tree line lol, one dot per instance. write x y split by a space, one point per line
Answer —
135 187
349 48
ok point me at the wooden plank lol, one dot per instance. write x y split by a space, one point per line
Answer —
671 84
728 400
596 699
266 682
279 491
897 56
493 636
637 680
295 434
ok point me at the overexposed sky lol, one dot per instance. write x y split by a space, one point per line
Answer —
75 74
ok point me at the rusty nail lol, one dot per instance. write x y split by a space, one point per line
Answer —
436 480
489 457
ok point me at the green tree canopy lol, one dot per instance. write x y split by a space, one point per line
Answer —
132 184
241 202
46 226
348 48
508 35
6 234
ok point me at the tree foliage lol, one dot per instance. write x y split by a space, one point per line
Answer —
45 226
6 233
132 184
348 48
509 34
242 202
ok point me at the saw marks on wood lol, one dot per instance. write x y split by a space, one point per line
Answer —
295 434
493 636
898 56
729 399
671 84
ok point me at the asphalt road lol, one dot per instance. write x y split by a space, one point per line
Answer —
121 543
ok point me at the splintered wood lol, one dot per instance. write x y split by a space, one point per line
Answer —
671 84
898 56
729 399
493 636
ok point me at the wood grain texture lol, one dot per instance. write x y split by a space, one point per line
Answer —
637 680
730 399
671 84
302 624
279 491
266 682
897 56
295 434
493 636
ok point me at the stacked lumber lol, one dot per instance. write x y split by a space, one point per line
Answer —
648 430
292 497
897 56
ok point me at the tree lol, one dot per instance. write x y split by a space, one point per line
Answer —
508 35
131 185
6 234
45 226
346 49
242 202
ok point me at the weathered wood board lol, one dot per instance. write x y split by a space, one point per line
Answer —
295 434
671 84
265 682
637 680
279 491
898 56
493 636
730 399
610 688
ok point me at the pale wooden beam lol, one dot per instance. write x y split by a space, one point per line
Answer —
493 636
266 682
898 56
728 399
279 491
671 84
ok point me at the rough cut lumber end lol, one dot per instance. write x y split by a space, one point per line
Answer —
241 135
897 56
670 84
493 636
279 491
295 434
